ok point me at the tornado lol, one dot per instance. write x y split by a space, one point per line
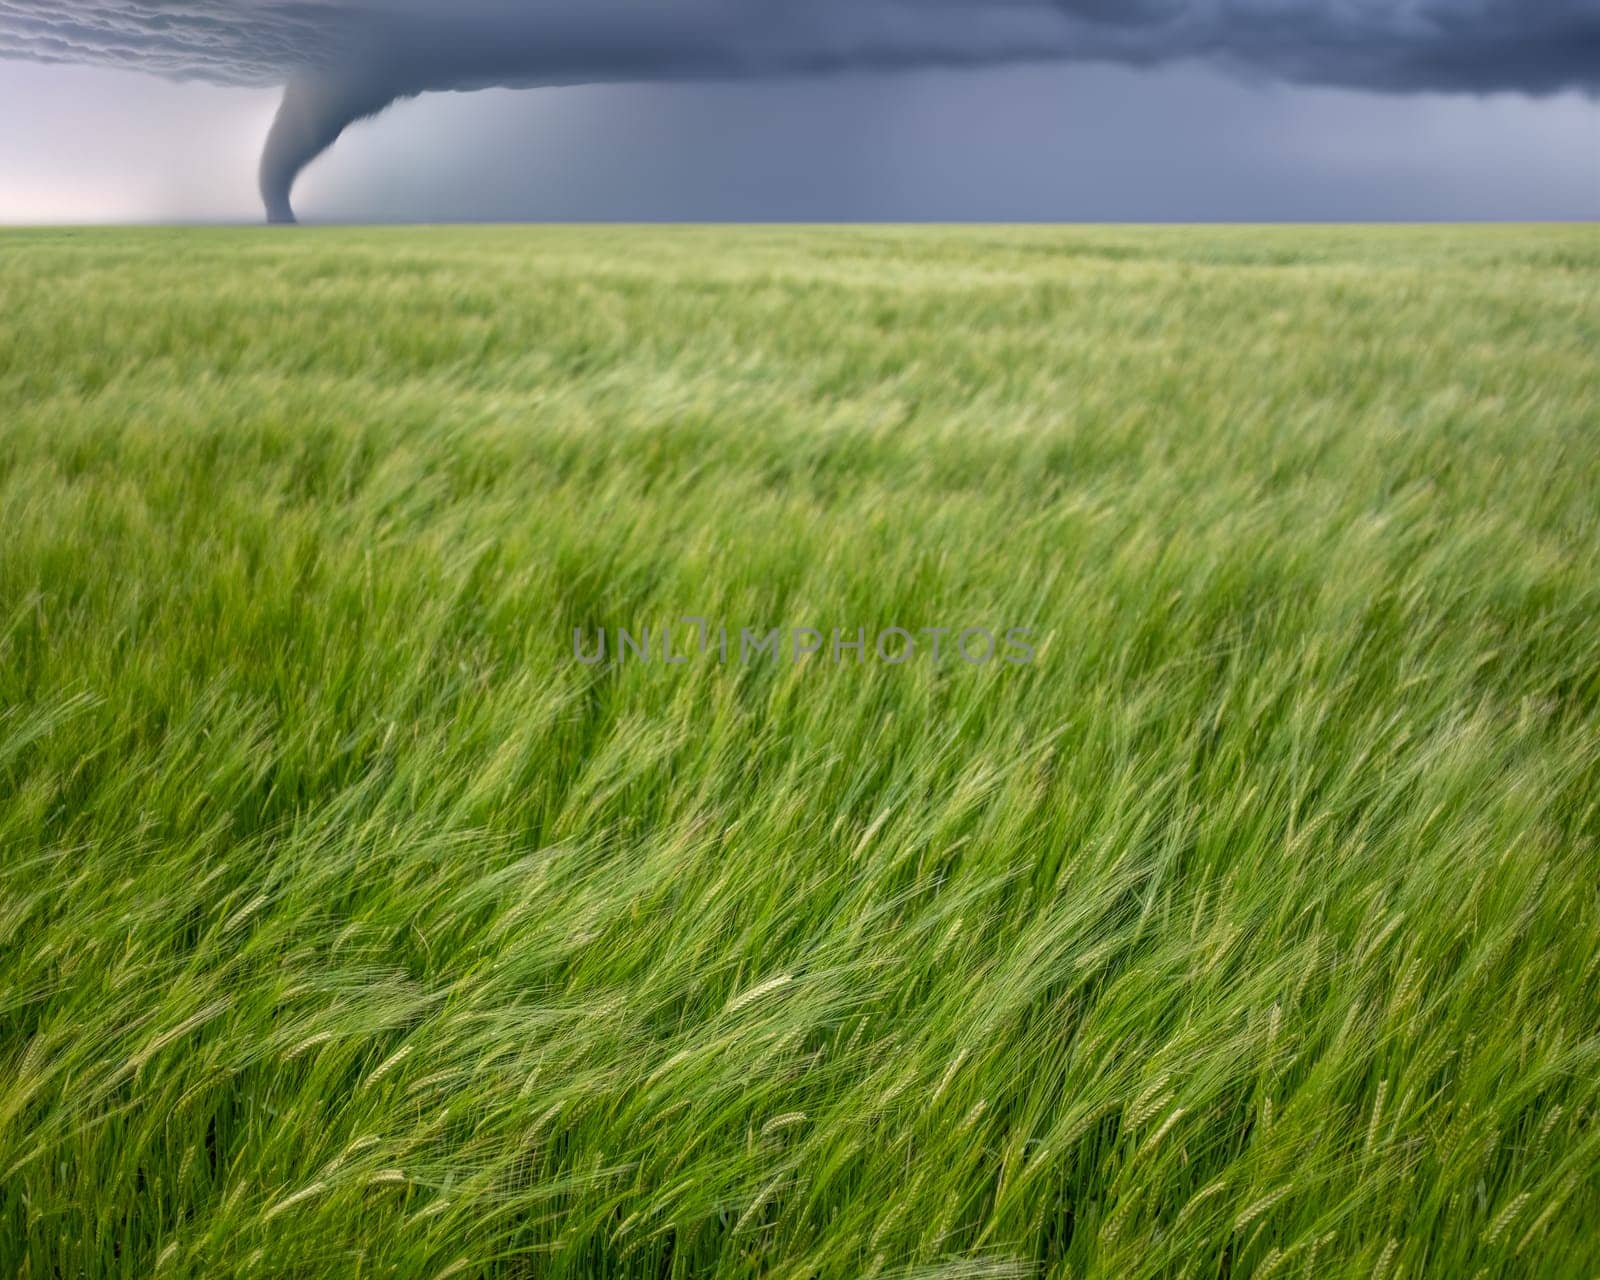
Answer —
316 110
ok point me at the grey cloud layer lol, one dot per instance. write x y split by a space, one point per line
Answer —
1472 45
346 59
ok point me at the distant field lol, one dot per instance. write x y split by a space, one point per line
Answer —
351 926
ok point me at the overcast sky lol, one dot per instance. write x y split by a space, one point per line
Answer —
1040 139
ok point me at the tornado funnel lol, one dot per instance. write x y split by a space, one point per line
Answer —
316 110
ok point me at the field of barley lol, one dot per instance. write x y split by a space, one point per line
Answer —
351 926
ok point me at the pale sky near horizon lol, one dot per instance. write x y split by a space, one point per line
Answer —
1040 142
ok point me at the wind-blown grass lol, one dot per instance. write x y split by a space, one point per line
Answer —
348 925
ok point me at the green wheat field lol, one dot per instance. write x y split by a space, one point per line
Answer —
350 926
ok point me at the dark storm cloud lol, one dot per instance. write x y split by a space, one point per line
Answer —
1478 45
343 59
